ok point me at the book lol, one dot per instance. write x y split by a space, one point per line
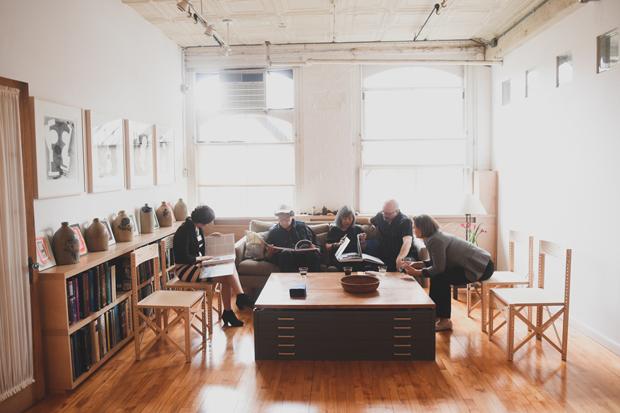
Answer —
355 256
94 341
219 270
222 249
301 246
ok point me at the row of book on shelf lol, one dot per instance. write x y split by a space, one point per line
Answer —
92 342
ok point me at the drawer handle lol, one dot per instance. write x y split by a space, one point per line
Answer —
402 345
286 354
286 336
402 336
286 319
402 328
286 345
286 328
402 319
402 354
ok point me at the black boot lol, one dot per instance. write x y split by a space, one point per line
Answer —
244 300
229 317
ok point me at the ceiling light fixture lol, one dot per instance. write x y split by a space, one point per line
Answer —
184 6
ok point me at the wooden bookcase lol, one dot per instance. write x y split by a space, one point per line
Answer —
55 310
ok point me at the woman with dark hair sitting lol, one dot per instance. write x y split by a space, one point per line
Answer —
345 228
453 261
189 251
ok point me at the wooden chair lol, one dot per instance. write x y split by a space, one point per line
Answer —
171 282
510 278
182 302
511 301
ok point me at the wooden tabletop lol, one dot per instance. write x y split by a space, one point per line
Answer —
324 291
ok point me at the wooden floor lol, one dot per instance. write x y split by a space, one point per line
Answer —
470 374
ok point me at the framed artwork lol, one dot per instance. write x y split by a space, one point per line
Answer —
139 154
105 152
45 257
136 231
164 155
155 220
78 232
59 166
108 226
171 211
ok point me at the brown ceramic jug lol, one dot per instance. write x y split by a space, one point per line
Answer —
96 236
66 246
164 215
122 227
180 210
147 219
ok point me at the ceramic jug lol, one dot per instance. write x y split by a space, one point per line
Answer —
96 236
164 215
180 210
122 227
66 246
147 219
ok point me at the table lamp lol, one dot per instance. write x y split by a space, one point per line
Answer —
471 206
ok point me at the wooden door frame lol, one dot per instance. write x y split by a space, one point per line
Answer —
36 391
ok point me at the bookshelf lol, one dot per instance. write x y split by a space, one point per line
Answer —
55 310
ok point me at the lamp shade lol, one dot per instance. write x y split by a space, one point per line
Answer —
472 206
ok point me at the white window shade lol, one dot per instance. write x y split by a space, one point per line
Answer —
414 152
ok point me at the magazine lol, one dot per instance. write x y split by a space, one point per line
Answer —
222 249
355 256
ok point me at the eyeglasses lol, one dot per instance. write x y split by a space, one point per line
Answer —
388 213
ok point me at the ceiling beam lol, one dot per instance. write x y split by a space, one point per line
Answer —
546 16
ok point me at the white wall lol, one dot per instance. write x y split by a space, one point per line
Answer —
557 157
98 55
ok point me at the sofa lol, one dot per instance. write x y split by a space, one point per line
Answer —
254 270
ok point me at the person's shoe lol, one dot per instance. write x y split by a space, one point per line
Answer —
443 324
229 317
244 300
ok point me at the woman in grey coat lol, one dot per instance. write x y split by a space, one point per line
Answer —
453 261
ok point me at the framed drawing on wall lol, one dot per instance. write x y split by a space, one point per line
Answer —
59 166
164 155
139 154
105 152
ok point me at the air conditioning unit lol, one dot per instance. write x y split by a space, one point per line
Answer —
243 90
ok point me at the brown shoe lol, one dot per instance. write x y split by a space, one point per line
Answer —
443 324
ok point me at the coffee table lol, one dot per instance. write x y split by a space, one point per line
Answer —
395 322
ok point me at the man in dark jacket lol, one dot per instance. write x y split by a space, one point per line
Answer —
286 234
396 231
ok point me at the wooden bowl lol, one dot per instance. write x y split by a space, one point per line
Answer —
359 283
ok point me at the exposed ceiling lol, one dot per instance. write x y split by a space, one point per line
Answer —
332 21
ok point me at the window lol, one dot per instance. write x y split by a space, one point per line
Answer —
245 155
564 69
414 146
607 46
506 92
531 82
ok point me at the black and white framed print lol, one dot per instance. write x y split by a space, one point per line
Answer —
59 154
105 152
139 154
164 155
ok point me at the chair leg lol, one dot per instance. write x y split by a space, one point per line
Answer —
204 317
491 305
209 299
483 306
511 331
188 351
539 320
565 334
468 300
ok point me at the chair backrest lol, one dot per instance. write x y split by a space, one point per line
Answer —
521 238
139 256
165 245
555 250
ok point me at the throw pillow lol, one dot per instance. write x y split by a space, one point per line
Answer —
254 247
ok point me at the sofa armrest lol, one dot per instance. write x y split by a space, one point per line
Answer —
421 248
240 251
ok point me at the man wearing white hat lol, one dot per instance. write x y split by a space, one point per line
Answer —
286 234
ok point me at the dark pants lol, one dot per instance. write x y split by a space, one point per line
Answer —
290 261
441 283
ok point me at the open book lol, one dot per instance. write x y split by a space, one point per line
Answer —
355 256
223 251
221 248
301 246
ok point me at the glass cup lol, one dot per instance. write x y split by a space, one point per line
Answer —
303 271
382 270
348 270
406 259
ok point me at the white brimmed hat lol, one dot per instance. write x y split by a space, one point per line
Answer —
284 209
